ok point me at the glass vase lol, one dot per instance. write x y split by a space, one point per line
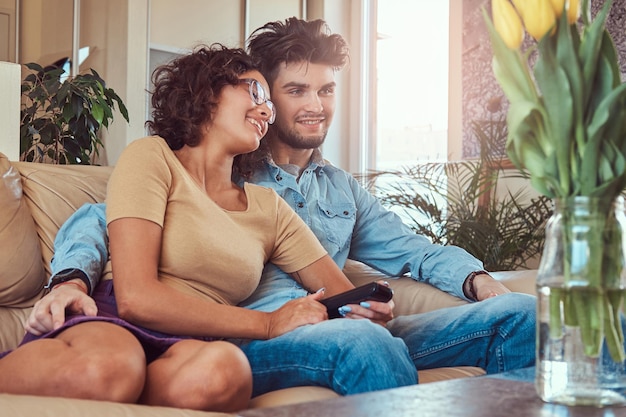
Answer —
580 288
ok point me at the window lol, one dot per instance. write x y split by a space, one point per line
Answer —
411 96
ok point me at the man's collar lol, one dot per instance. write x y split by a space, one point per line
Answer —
295 170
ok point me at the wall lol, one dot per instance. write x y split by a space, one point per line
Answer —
10 110
7 30
127 36
479 85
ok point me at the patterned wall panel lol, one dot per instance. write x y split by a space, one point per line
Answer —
482 97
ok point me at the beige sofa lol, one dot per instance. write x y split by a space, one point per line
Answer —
35 200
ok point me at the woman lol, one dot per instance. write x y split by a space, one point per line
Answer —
108 358
186 243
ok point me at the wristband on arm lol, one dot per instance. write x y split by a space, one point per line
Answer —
468 285
68 275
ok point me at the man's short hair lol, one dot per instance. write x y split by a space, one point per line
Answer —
296 40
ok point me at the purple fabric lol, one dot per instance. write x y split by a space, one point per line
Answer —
154 343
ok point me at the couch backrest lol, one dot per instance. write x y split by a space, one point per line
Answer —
33 206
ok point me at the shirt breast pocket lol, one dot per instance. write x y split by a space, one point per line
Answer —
338 222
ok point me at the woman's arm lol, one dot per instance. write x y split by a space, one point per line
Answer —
142 299
324 273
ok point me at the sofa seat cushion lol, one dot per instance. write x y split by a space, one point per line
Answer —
30 405
21 268
305 394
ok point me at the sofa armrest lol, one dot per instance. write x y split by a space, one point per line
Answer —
409 296
518 281
412 297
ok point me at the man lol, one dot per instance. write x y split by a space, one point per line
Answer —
299 60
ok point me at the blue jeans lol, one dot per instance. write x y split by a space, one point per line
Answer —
348 356
352 356
497 334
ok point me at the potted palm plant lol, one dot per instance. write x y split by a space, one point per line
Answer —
60 117
455 203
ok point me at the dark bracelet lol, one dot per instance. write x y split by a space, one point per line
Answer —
68 275
470 281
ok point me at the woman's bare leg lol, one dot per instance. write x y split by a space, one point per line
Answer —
92 360
211 376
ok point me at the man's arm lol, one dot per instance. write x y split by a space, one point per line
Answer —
81 252
81 247
382 241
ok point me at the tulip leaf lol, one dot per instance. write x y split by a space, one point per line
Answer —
590 48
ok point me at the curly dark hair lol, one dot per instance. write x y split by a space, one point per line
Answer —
186 91
296 40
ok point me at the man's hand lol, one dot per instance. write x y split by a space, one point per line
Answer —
487 287
49 313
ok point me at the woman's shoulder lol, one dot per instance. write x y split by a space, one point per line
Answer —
147 148
146 144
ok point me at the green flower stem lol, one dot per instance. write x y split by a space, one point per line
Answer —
612 324
557 296
593 260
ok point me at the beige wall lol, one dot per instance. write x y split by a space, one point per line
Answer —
122 33
185 23
45 30
127 37
7 30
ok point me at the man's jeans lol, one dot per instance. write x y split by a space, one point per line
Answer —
348 356
497 334
352 356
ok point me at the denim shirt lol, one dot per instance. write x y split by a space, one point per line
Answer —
351 223
82 243
346 218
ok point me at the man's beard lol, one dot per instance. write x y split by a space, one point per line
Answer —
295 140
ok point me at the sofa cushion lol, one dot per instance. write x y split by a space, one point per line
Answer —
21 268
54 192
13 321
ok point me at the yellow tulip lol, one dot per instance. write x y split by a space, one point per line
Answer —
507 23
539 18
558 6
519 6
573 11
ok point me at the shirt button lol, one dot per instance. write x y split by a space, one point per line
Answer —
300 204
345 212
279 178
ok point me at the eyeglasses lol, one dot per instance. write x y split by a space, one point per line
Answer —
258 95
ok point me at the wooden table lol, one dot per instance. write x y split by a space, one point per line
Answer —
504 395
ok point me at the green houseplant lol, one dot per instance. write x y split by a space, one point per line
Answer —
456 203
60 117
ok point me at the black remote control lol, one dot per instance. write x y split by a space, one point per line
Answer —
368 292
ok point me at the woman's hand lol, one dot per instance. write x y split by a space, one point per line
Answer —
296 313
376 311
49 312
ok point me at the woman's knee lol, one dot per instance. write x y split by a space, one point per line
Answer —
215 376
110 366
